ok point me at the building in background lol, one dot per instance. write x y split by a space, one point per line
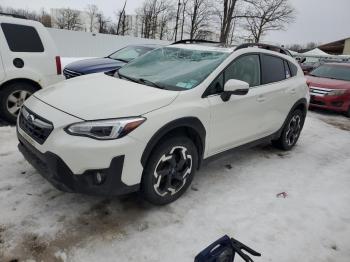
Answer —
340 47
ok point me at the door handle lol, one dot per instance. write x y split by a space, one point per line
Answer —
261 98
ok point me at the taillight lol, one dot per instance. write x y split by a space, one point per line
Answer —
58 65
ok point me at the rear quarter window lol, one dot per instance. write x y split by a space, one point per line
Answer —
272 68
22 38
293 69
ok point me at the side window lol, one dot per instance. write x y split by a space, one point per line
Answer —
217 86
22 38
293 69
272 69
245 68
287 70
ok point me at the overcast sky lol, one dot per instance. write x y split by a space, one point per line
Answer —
317 20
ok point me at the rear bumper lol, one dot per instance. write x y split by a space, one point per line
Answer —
56 171
334 103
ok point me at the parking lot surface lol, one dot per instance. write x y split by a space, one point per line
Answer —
234 195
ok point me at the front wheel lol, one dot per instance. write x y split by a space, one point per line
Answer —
12 97
291 131
169 170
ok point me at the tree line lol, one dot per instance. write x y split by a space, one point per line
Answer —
224 20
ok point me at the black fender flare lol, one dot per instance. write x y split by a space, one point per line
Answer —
302 104
192 123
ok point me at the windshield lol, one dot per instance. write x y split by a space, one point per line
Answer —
130 53
332 71
173 68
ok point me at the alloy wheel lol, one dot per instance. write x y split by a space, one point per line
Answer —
293 131
15 101
172 171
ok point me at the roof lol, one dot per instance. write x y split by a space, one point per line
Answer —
202 47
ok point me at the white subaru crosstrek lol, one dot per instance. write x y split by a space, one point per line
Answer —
149 127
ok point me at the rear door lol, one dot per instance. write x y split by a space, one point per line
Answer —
279 92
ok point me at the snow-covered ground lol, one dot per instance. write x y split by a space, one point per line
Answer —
234 195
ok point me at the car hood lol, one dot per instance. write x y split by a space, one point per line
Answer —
327 83
95 65
99 96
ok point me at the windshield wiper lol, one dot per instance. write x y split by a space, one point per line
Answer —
127 78
148 82
119 59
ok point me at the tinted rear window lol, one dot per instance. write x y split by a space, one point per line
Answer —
22 38
272 69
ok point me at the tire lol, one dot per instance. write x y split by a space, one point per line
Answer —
169 170
291 131
12 97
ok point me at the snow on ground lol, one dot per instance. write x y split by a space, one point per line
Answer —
234 195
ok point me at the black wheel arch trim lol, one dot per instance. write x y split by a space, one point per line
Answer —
186 122
300 103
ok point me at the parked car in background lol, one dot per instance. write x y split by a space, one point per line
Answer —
149 127
307 67
109 64
330 87
28 62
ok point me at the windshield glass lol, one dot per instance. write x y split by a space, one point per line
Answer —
174 68
332 71
130 53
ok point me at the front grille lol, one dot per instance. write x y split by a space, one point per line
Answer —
34 125
70 74
316 102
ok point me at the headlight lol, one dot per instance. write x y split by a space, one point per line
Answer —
336 92
105 129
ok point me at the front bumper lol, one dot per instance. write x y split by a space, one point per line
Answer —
335 103
56 171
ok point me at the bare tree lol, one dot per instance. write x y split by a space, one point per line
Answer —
68 19
102 23
199 12
92 11
183 20
267 15
177 20
121 20
45 18
150 14
226 20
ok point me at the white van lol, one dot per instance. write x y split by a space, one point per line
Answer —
28 62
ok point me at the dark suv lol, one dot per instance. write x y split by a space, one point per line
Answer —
108 64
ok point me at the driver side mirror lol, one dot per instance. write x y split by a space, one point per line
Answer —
234 87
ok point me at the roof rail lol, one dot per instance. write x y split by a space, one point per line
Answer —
193 41
13 15
265 46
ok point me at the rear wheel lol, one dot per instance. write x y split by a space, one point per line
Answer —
291 131
169 171
12 97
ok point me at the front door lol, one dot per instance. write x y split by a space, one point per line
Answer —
241 119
